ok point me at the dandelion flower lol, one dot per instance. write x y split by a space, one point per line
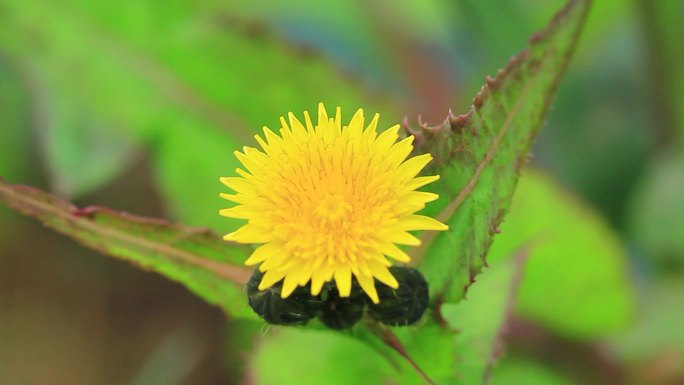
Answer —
328 201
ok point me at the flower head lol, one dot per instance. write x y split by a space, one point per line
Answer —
329 201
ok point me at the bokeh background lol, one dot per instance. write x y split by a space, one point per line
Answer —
138 104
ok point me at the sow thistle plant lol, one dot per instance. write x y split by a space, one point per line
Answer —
331 208
329 203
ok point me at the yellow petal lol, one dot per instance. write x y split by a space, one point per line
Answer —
402 238
289 285
317 281
309 124
420 197
274 141
368 286
400 151
337 121
356 124
264 145
237 198
239 212
285 130
343 280
407 208
251 161
264 252
244 174
297 127
270 278
421 222
420 181
374 123
391 250
383 274
276 260
385 139
362 266
239 185
249 234
304 275
322 115
412 167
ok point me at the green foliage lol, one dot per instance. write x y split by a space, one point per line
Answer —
14 135
600 113
657 209
432 346
528 372
81 152
363 43
193 257
165 87
189 178
508 24
479 155
664 33
286 357
51 47
481 318
658 332
576 266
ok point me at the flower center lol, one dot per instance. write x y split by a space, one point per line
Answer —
332 208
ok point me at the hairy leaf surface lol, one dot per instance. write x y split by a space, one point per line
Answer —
201 261
479 154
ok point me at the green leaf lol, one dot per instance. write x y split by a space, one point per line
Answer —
528 372
658 334
14 132
204 263
304 356
479 154
508 25
81 152
15 135
577 266
367 43
432 348
656 212
663 31
87 100
461 343
481 318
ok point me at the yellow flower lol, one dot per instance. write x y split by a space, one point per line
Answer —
328 201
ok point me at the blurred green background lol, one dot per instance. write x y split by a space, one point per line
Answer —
138 104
